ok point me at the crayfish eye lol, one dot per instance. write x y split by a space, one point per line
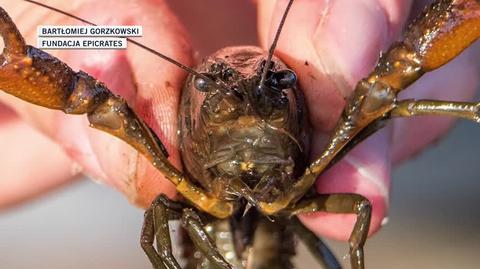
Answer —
283 79
264 62
201 84
228 73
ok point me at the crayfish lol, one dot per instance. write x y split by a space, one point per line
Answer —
244 137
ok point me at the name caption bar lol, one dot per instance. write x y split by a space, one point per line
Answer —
82 43
88 30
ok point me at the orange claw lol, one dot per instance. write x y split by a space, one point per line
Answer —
39 78
14 42
444 31
31 74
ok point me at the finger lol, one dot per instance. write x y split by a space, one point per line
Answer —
158 93
229 23
332 44
147 83
30 163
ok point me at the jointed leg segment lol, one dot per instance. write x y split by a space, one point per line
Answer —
193 224
347 204
445 29
39 78
155 228
409 108
315 244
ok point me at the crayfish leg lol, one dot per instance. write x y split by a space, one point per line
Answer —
156 229
29 73
39 78
411 107
343 203
443 31
315 245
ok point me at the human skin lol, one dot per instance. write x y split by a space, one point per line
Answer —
340 40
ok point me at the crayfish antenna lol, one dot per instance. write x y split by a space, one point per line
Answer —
138 44
274 44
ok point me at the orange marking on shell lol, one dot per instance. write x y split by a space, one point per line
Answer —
22 79
27 61
444 31
449 44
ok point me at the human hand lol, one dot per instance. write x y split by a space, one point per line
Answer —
341 41
340 48
150 85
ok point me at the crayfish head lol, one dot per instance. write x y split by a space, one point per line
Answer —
240 128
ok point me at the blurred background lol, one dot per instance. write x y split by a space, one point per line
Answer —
433 221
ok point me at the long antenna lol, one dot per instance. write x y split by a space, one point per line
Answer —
274 44
168 59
